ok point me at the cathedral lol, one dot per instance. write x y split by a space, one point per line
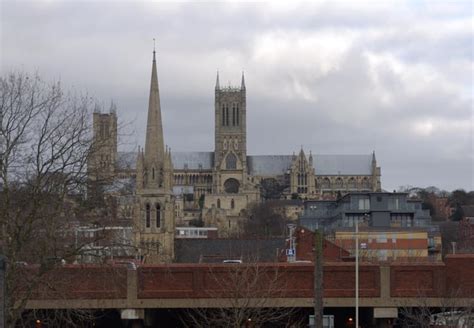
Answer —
215 188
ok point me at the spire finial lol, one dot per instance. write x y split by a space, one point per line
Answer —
217 81
243 81
154 51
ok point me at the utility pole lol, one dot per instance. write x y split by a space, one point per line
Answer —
357 274
318 278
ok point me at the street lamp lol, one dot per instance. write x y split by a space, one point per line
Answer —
357 270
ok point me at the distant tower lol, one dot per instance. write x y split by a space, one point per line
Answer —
230 155
302 175
101 164
154 220
376 173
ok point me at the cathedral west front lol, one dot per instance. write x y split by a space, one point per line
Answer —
215 187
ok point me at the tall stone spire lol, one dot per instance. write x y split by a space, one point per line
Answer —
217 81
154 144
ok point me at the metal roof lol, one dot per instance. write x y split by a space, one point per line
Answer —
264 165
192 160
342 164
268 165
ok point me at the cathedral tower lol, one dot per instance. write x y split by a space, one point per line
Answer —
230 155
101 164
154 221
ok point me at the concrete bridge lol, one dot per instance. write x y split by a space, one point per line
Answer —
383 287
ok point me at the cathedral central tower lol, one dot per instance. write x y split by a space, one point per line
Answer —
230 154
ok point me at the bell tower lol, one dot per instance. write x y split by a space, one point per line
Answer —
230 154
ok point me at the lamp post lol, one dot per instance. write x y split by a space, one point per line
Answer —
366 216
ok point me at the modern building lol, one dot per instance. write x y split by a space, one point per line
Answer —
391 226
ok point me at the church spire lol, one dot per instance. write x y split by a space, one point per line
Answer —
154 144
242 86
217 81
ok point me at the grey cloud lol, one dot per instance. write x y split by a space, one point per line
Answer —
105 48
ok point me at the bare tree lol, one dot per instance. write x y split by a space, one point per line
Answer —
450 311
45 142
247 290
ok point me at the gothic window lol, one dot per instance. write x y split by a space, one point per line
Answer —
326 183
339 183
161 177
236 144
227 115
231 186
352 183
223 115
225 144
153 173
231 162
232 204
147 216
237 115
218 203
158 215
365 183
233 114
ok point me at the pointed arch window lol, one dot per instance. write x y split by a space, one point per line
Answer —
153 173
231 162
232 204
237 115
226 115
147 216
223 115
233 115
158 215
218 203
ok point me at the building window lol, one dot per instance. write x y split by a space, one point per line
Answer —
226 115
147 215
232 204
231 186
233 114
158 215
218 203
364 204
352 184
326 183
223 115
237 116
339 183
231 162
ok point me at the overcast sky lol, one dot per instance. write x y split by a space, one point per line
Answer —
394 77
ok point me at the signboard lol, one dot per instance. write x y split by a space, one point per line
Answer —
290 252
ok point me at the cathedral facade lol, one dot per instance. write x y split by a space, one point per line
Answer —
214 187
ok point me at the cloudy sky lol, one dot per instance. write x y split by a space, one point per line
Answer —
333 77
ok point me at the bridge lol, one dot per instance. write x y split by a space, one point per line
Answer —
279 285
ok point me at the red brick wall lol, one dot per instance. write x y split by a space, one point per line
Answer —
279 279
417 280
460 275
79 282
